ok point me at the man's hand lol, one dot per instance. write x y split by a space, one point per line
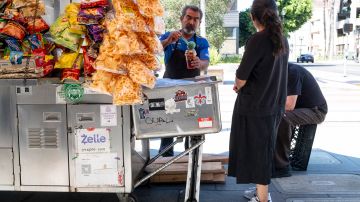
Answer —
196 62
238 84
173 37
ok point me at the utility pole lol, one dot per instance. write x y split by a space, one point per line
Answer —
203 21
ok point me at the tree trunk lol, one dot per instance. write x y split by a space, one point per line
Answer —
331 31
325 38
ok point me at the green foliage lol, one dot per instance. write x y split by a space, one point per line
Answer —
245 26
215 57
215 10
296 13
231 59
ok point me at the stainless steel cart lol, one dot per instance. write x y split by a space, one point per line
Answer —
179 108
51 145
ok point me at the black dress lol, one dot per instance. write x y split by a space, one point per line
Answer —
257 111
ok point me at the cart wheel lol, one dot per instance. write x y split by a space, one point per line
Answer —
127 198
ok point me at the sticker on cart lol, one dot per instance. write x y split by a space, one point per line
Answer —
190 102
180 95
108 115
94 140
143 113
192 112
88 91
60 95
208 95
205 122
200 99
97 170
170 106
157 104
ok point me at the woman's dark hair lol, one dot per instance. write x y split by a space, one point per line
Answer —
266 13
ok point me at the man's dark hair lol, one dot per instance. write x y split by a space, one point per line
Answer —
193 8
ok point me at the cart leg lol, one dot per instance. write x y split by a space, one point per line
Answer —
126 197
194 171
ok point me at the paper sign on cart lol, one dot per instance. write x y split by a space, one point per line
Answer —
205 122
95 170
108 115
95 140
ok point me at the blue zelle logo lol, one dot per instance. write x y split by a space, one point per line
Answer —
94 138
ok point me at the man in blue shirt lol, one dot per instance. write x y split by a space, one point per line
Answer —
175 45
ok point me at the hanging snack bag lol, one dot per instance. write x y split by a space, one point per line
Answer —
140 74
30 11
39 25
88 62
13 44
93 3
14 30
13 14
102 81
16 57
126 92
150 8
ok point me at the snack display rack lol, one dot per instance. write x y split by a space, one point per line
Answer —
60 137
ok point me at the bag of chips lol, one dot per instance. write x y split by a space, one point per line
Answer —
140 74
88 62
92 13
66 60
150 8
39 25
15 15
93 3
102 81
14 30
33 11
126 92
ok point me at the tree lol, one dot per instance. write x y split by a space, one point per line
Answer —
245 26
294 13
215 11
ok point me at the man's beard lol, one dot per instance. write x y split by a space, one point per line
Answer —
189 30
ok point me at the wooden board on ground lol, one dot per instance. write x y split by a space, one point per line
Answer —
178 178
205 158
178 168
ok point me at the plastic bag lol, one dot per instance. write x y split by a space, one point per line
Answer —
38 26
33 11
93 3
13 44
14 30
66 60
150 8
140 74
128 17
102 81
96 32
92 13
88 62
151 61
152 42
126 92
13 14
70 74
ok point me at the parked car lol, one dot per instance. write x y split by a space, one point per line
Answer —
305 58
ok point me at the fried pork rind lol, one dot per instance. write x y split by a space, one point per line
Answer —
140 74
151 61
150 8
103 82
126 92
128 16
152 42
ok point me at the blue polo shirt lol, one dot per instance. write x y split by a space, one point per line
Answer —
202 47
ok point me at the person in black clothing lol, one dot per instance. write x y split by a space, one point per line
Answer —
260 84
305 104
175 61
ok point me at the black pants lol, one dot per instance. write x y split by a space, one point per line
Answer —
291 119
167 141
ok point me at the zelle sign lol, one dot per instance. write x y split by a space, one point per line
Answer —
93 140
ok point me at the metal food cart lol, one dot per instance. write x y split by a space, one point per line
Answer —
49 144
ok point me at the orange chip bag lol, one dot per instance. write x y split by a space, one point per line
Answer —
126 92
102 81
151 61
150 8
140 74
152 42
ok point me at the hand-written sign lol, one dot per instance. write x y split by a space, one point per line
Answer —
95 140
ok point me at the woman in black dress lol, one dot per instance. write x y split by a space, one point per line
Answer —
261 87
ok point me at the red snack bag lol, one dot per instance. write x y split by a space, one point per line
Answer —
13 14
71 74
88 62
93 3
44 63
39 26
14 30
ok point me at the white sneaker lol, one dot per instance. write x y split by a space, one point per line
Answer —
250 193
256 199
